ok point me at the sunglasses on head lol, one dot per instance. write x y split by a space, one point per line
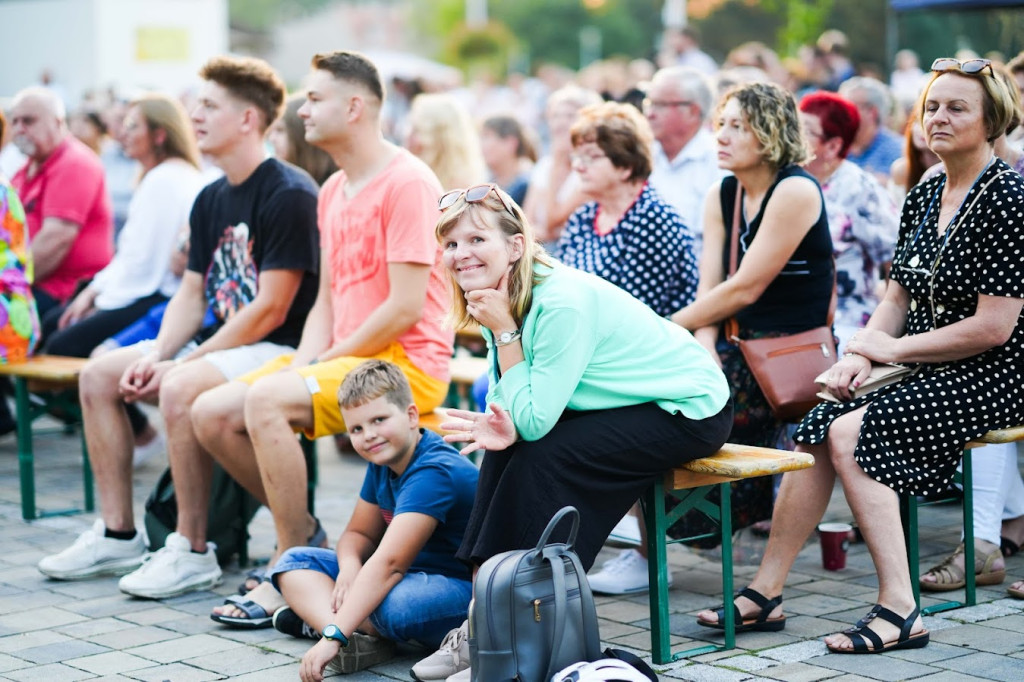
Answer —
474 195
970 67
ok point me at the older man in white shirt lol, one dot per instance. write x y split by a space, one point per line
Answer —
678 103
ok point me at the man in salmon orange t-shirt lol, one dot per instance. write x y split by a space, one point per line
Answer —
381 296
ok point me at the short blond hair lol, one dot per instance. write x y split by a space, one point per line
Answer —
1000 103
375 379
771 113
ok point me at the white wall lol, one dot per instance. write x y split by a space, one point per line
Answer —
127 44
46 34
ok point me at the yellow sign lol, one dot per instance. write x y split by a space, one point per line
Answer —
161 44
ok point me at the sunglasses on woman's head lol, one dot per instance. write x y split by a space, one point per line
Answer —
970 67
474 195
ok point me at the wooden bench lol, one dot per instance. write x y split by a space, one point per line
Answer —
54 379
909 505
692 483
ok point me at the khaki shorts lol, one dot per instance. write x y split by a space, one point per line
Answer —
324 379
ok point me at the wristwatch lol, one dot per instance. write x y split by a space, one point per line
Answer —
505 338
332 631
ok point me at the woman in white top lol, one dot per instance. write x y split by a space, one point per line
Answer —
157 133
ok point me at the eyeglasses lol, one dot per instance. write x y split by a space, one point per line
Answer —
970 67
586 159
474 195
652 104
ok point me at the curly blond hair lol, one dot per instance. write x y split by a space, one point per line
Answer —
771 113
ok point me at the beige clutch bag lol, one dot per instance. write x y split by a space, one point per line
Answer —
882 374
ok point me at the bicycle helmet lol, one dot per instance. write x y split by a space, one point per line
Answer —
604 670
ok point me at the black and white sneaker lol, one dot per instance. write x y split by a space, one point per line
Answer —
289 623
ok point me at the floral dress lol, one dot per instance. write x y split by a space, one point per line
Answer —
864 222
914 431
19 322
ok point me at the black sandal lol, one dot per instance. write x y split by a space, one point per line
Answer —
861 632
761 622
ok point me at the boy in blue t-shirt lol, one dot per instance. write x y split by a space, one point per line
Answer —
394 576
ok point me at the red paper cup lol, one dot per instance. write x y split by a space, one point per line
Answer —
835 540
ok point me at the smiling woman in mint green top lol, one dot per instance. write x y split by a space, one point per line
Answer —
593 395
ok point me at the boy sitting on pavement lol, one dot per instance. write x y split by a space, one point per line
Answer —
394 576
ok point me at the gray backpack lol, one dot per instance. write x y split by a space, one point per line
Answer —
533 613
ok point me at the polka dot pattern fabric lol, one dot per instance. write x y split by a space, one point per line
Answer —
649 253
913 432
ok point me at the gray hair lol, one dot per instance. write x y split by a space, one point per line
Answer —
692 84
878 93
50 99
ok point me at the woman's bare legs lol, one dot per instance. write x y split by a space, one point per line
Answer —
876 508
802 500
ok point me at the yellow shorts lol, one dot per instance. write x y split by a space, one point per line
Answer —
324 379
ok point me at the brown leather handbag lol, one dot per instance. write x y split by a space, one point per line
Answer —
785 366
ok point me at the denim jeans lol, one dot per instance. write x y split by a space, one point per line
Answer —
421 609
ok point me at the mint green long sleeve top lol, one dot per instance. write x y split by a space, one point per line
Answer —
591 346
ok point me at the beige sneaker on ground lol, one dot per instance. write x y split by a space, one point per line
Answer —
451 658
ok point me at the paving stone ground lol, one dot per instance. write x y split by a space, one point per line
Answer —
59 631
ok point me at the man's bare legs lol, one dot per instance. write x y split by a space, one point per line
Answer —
275 406
108 435
191 466
220 419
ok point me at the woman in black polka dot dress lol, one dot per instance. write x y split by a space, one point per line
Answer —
952 313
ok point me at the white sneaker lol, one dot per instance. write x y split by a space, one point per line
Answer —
94 554
173 570
461 676
451 658
625 574
626 532
143 453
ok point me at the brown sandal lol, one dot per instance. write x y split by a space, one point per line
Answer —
1016 592
949 576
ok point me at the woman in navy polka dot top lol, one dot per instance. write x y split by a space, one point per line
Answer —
625 233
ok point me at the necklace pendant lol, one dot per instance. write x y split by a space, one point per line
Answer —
915 261
940 309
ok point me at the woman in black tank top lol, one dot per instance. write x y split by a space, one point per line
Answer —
783 278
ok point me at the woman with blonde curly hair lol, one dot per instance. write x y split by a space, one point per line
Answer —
783 276
444 136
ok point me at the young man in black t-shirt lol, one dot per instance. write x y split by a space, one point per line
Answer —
254 260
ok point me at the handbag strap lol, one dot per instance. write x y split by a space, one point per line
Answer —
732 325
954 228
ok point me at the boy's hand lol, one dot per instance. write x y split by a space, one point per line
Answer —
341 586
316 659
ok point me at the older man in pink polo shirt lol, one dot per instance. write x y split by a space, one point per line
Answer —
62 188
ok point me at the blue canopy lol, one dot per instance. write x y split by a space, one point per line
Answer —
904 5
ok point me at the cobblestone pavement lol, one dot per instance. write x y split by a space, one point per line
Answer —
88 630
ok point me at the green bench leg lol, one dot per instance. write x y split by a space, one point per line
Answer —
27 413
657 522
657 572
909 514
26 456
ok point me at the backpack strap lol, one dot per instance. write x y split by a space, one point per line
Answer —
558 584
